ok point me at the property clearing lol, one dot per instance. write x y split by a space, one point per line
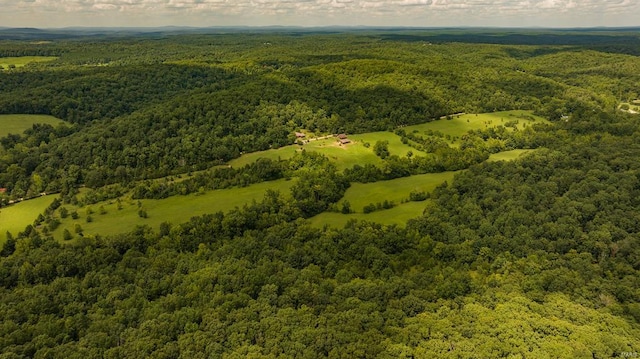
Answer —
17 124
458 125
358 151
16 217
15 62
396 191
175 209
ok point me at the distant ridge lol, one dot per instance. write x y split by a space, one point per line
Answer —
524 35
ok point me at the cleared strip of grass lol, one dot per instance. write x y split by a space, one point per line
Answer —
459 125
397 215
176 209
21 61
508 155
17 124
16 217
396 190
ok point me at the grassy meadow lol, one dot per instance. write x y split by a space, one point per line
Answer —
7 62
16 124
344 156
508 155
356 152
107 219
117 216
16 217
396 190
458 125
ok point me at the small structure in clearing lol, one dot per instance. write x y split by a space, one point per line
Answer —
344 141
342 136
300 135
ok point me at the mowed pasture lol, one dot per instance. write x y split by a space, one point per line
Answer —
17 124
396 191
508 155
16 217
107 219
458 125
359 151
8 62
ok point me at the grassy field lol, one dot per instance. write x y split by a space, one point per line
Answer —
508 155
396 190
179 209
16 217
176 209
6 62
16 124
397 215
461 124
345 156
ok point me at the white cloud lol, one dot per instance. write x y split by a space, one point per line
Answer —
320 12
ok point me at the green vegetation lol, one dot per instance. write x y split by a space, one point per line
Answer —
192 221
344 156
632 107
16 124
508 155
8 63
123 215
398 215
16 217
397 191
455 126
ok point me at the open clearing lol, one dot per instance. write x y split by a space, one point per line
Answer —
508 155
458 125
396 190
16 217
178 209
6 62
397 216
344 156
17 124
175 209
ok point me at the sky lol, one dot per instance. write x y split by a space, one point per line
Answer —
418 13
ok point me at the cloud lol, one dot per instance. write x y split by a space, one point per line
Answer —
321 12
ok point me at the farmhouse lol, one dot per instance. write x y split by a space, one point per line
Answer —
300 135
344 141
342 136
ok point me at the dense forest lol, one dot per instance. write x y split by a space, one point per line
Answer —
533 258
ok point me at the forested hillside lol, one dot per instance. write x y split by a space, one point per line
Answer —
533 258
139 107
